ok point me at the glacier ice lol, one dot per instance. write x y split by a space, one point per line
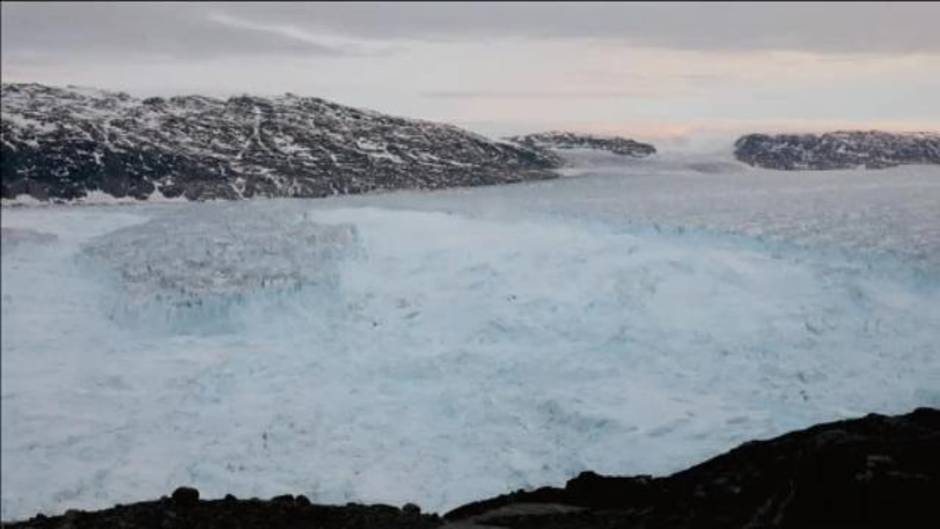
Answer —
175 273
442 347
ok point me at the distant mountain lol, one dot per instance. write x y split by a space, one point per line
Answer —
838 150
571 140
62 144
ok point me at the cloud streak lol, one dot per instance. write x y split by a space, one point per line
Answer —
143 30
324 43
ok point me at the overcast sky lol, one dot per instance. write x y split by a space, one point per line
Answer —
642 69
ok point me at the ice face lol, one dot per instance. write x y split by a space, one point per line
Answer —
443 347
14 236
187 271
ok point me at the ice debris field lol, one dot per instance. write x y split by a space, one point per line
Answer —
632 317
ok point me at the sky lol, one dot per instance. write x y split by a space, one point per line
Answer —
646 70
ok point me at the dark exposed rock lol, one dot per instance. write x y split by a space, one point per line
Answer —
876 471
60 144
872 472
240 514
186 496
838 150
571 140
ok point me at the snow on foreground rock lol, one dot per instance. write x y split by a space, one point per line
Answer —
69 143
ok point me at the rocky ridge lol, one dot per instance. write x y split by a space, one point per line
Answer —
838 150
571 140
61 144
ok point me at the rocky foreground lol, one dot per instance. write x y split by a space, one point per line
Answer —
63 144
838 150
876 471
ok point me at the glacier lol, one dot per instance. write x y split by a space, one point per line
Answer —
634 316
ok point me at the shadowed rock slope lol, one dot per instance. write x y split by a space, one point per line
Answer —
876 471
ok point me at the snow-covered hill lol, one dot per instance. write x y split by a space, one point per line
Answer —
838 150
63 144
571 140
